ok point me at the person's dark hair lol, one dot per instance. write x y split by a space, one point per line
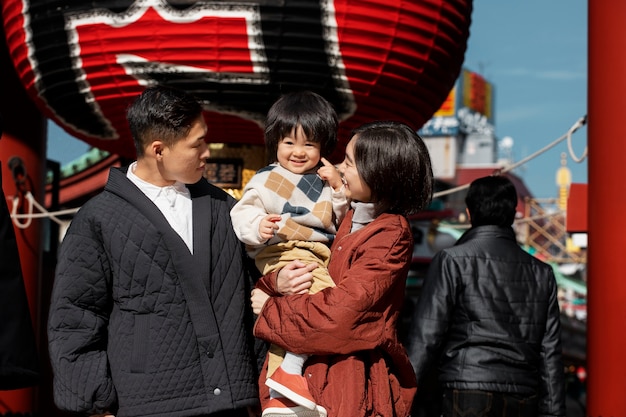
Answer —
491 201
311 111
394 162
161 113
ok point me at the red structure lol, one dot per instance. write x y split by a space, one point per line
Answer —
606 297
21 148
577 209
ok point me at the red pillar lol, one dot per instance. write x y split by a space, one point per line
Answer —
24 137
606 300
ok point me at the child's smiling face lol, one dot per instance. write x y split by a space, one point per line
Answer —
298 154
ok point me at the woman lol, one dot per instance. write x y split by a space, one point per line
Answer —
357 366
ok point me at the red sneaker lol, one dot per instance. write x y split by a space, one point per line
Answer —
284 407
291 386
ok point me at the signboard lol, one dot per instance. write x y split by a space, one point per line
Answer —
448 108
467 109
224 172
477 94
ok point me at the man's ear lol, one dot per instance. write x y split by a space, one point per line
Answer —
469 218
156 149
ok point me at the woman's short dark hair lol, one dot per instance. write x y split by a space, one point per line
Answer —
491 201
394 162
311 111
161 113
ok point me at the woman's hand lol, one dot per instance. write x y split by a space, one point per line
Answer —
295 278
258 300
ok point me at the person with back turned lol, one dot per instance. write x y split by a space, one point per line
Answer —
488 316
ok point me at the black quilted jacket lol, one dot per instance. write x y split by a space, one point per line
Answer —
141 327
489 312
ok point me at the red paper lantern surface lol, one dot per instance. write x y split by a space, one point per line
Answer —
82 62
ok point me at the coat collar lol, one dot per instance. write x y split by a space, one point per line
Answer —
487 231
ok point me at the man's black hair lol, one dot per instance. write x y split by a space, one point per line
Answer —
491 201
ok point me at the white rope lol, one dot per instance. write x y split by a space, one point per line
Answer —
43 210
572 154
577 125
516 221
47 214
29 216
52 215
450 190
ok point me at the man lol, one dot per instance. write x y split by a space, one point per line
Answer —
488 313
150 310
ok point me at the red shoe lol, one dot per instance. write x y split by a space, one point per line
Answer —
284 407
294 387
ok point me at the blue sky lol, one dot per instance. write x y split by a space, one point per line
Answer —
534 52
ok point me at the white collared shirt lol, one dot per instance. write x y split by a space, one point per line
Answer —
174 201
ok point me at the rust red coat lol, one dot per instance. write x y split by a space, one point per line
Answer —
358 366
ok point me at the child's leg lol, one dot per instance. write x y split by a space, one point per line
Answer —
293 363
275 358
321 280
284 369
287 381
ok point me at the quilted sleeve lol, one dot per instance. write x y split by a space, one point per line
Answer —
77 325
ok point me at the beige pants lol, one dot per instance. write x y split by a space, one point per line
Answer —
276 257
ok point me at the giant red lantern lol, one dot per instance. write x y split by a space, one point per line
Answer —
83 61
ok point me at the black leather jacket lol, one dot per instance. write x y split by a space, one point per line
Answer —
488 312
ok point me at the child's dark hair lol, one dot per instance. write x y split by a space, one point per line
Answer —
491 201
162 113
394 162
311 111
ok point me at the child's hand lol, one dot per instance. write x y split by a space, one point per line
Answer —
328 172
268 226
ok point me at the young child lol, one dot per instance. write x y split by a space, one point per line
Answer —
290 210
